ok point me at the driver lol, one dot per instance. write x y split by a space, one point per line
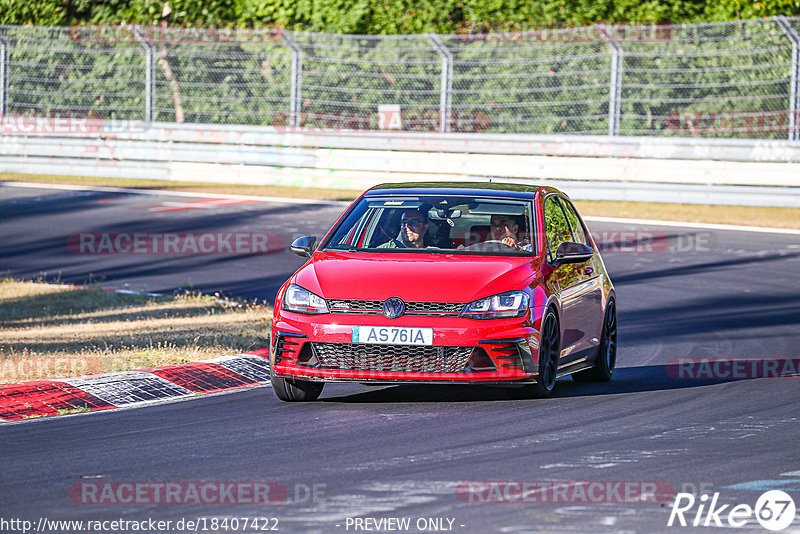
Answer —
505 228
413 230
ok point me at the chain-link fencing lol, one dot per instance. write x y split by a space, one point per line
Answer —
729 80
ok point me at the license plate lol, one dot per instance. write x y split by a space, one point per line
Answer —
393 335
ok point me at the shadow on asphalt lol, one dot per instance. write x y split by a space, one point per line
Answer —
625 380
709 315
696 268
49 258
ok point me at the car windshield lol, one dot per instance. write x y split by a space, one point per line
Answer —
436 224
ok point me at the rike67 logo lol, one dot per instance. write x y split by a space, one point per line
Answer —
774 510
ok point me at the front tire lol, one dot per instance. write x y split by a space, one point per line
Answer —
607 357
549 351
293 390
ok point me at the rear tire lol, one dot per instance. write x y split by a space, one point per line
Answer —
607 356
293 390
549 351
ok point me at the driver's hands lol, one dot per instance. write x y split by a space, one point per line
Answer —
509 241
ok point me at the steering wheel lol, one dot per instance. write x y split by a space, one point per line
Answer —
482 246
394 240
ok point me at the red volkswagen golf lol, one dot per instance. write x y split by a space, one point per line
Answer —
473 283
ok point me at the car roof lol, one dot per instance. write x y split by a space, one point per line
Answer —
496 189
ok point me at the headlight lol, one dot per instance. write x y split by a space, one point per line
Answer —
504 305
302 300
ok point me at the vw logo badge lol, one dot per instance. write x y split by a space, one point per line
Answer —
393 307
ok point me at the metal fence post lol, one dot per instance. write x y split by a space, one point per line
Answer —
296 79
3 75
149 75
615 84
794 90
447 82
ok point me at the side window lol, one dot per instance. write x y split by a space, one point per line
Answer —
525 234
556 226
578 231
383 228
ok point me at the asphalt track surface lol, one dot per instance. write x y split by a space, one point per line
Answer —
405 451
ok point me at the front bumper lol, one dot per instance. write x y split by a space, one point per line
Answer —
320 348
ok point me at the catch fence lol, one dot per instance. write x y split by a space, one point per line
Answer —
717 80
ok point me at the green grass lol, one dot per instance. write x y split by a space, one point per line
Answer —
48 331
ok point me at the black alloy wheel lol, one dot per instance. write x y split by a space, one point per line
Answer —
549 351
607 355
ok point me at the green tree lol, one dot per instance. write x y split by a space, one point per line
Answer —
40 12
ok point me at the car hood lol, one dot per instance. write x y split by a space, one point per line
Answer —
414 277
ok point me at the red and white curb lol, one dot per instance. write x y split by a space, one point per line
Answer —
125 389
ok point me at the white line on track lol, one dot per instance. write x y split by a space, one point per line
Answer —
286 200
158 192
707 226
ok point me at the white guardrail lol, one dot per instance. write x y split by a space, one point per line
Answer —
688 170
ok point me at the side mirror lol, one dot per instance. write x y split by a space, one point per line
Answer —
569 252
304 246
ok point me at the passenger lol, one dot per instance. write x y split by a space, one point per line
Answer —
413 231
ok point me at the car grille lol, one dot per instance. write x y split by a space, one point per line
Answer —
391 358
375 307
